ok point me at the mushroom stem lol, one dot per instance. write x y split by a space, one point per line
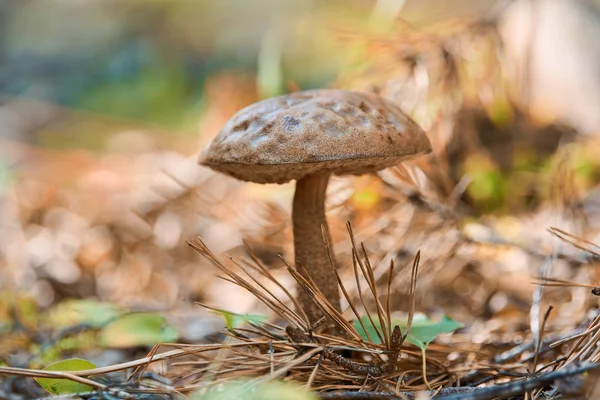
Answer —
308 214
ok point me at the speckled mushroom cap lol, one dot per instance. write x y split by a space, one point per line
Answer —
336 131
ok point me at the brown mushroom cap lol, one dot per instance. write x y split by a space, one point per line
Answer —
336 131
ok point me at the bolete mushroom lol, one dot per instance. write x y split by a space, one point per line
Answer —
308 136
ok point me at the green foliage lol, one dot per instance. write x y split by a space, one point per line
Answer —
422 330
157 95
500 111
28 312
75 326
234 320
249 390
137 329
532 177
85 311
585 165
24 308
79 342
65 386
270 74
488 187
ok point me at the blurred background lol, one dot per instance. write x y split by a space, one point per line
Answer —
105 105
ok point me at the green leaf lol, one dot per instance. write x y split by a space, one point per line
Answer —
28 312
65 386
370 334
249 390
137 329
422 331
234 320
87 311
270 74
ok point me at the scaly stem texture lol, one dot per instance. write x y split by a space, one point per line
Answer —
308 214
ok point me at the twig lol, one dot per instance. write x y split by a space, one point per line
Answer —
258 265
534 312
186 350
411 293
337 275
395 347
313 374
353 366
363 396
424 365
576 241
381 314
32 373
282 371
520 387
349 395
388 305
540 337
357 261
550 342
143 367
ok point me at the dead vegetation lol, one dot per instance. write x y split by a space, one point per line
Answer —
516 264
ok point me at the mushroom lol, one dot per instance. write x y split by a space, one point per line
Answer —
309 136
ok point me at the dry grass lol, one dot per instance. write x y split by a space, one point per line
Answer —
523 281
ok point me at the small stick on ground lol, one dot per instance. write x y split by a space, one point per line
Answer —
541 336
353 366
